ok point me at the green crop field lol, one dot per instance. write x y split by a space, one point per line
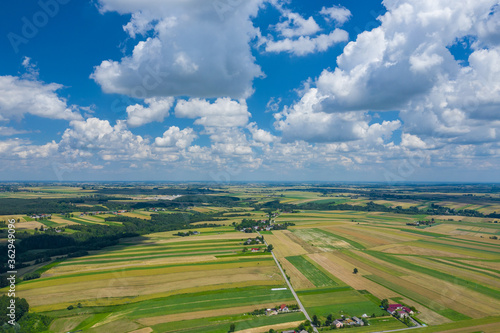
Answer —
318 277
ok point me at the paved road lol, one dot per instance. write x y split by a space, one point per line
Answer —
400 329
290 286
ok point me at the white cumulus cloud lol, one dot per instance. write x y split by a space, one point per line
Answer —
189 48
25 96
157 110
224 112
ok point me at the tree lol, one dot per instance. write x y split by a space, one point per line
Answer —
271 331
385 303
270 248
315 320
232 327
245 250
70 307
355 271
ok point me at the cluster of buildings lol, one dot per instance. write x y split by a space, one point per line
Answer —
40 216
281 309
399 310
252 241
345 321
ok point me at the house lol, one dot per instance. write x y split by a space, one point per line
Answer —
291 331
402 314
196 232
396 308
255 249
349 321
338 323
393 307
358 321
284 308
407 310
364 315
271 312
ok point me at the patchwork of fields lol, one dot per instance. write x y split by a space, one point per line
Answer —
160 282
164 283
449 276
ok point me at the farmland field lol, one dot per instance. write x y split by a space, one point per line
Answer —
208 274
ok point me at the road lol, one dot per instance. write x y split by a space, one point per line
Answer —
290 287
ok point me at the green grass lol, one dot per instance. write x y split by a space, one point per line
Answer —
90 262
317 277
423 233
188 250
221 324
347 309
322 290
125 269
49 223
200 301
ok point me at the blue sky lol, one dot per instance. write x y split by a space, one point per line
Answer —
224 90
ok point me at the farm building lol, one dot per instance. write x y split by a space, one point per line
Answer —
284 308
358 321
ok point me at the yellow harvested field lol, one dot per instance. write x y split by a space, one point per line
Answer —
426 315
416 250
283 245
390 235
342 269
143 330
149 321
460 218
122 325
68 269
268 327
465 272
297 279
470 248
460 299
320 242
358 233
29 225
227 235
92 291
486 240
60 220
159 271
485 264
15 217
67 324
123 300
486 328
414 282
136 215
